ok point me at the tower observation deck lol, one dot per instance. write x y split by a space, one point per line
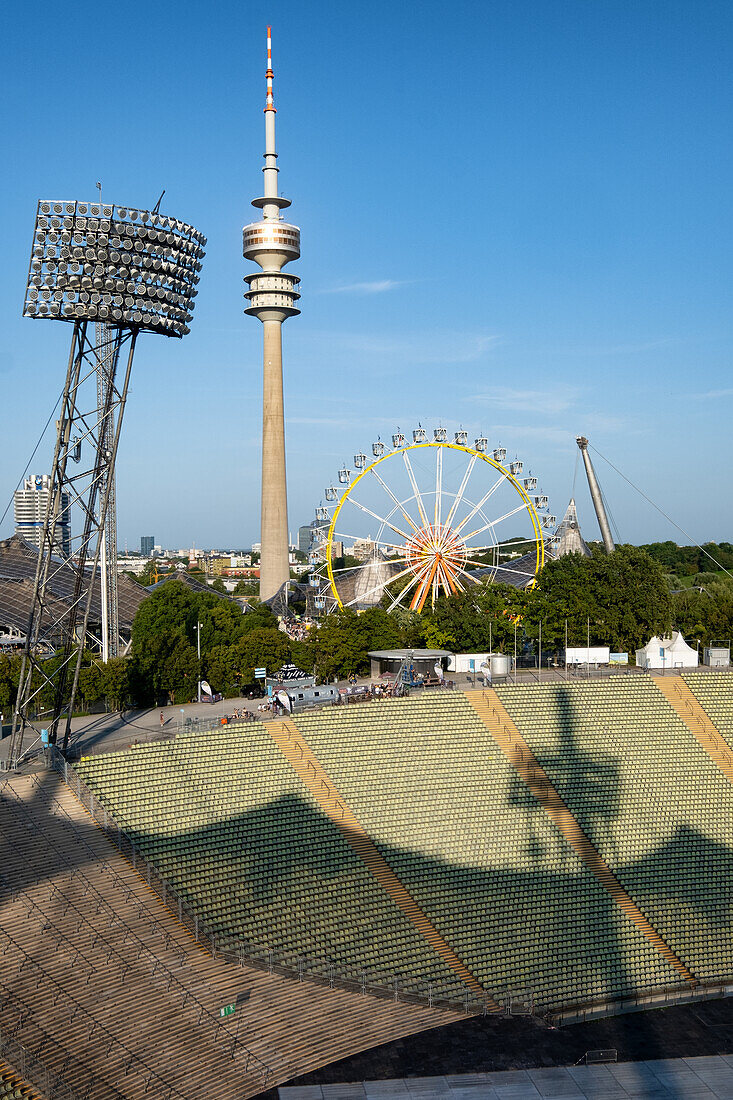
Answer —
271 296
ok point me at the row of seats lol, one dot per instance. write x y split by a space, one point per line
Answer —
649 797
463 833
229 825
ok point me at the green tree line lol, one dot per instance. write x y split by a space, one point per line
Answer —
621 599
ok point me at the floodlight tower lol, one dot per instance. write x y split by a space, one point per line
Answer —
112 272
271 295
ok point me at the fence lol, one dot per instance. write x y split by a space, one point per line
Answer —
32 1070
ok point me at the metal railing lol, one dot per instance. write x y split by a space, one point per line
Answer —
322 971
32 1070
235 1047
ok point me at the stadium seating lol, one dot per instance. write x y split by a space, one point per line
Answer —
233 829
12 1088
229 825
650 799
497 879
714 691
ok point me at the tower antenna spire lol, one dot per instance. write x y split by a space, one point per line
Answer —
270 102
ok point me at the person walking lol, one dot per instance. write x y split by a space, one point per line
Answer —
162 719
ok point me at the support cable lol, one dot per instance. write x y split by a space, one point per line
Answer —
662 513
28 465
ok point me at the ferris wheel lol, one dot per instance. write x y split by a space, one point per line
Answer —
425 518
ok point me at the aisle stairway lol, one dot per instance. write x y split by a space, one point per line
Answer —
506 734
678 694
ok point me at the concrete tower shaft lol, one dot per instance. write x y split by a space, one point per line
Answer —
271 296
596 496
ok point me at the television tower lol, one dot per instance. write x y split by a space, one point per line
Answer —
271 295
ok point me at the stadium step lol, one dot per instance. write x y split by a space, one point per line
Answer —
490 709
680 697
294 747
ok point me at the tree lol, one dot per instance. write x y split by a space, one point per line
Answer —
264 647
167 665
170 607
115 682
622 596
9 677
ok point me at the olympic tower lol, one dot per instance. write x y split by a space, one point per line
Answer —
272 293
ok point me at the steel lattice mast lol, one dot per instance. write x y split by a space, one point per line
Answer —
113 272
272 294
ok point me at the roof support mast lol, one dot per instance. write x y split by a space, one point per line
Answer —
596 495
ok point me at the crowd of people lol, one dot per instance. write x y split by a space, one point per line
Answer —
296 629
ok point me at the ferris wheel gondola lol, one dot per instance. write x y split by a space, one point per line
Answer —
428 518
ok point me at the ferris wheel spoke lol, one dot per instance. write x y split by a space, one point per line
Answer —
477 507
449 578
498 566
340 536
370 565
380 519
438 484
415 489
483 564
399 503
418 600
377 587
493 522
461 490
400 595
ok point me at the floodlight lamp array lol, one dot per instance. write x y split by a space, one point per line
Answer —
128 268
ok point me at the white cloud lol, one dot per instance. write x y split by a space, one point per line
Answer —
711 395
379 286
523 400
436 347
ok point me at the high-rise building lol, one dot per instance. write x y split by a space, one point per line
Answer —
31 503
305 536
147 545
272 294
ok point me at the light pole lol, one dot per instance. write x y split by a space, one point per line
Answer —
539 676
515 652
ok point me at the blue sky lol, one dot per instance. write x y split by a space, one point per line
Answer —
515 218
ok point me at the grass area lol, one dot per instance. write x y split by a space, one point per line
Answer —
696 580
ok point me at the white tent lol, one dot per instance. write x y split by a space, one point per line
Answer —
665 653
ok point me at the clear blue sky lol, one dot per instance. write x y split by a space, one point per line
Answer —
515 217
